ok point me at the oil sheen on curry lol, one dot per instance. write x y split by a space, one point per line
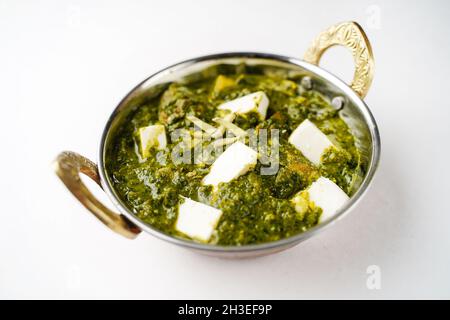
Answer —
234 159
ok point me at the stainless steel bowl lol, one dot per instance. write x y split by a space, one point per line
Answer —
68 165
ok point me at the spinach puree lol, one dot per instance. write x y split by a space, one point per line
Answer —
256 208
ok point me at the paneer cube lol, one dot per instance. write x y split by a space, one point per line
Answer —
152 136
310 141
326 195
232 163
197 220
257 102
222 82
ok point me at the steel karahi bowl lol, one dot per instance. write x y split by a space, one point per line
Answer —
69 165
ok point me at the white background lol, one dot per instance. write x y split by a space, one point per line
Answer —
65 65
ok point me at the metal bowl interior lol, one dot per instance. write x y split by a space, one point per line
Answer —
355 113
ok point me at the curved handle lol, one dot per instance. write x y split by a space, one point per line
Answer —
350 35
68 166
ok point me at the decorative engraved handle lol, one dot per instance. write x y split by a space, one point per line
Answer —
68 166
352 36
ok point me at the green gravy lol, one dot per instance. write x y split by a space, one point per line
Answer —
256 208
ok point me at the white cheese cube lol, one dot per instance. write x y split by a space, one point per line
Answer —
152 136
310 141
234 162
257 101
327 195
197 220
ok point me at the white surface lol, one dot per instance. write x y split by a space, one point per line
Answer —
197 220
327 195
235 161
65 66
310 141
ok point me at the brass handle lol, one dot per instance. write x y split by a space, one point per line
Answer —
68 166
350 35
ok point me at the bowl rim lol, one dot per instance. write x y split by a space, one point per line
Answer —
285 242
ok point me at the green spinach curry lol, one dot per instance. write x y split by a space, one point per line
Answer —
255 208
